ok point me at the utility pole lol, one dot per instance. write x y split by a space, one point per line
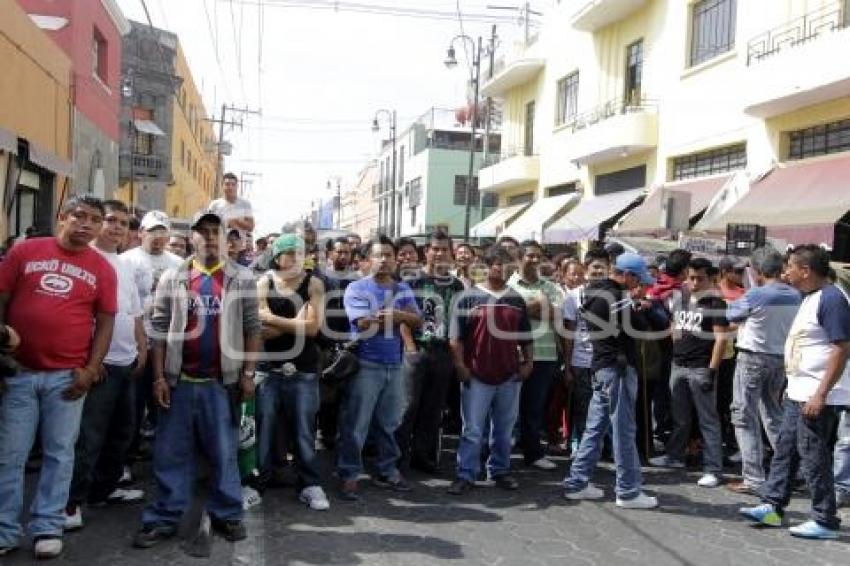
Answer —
477 81
246 181
489 112
233 123
525 13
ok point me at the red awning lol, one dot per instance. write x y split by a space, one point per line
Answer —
799 202
647 217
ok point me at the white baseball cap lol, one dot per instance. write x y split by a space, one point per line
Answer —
155 219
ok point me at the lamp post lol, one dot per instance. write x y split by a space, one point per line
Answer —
127 85
391 116
475 79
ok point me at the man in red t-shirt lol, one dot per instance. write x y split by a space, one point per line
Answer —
60 296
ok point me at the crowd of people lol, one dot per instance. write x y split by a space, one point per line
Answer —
122 340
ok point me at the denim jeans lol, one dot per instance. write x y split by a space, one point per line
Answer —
106 432
33 399
199 419
758 385
295 399
687 395
580 398
428 376
532 409
478 403
804 443
841 467
612 404
376 394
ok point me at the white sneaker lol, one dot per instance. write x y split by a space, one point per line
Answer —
48 547
122 495
250 497
642 501
589 493
664 461
315 498
709 480
74 521
544 463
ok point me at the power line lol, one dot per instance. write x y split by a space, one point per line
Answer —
215 49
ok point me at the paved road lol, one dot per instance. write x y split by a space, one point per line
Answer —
488 527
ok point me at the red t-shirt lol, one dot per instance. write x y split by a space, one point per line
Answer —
201 347
54 296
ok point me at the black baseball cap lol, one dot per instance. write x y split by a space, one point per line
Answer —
206 215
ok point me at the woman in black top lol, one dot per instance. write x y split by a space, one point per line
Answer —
291 307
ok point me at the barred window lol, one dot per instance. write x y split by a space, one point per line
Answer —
820 140
415 192
712 29
491 200
460 191
567 103
712 162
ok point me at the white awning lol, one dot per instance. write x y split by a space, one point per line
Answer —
8 141
583 221
534 221
148 127
494 224
50 161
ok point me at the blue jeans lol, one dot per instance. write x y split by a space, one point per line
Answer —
198 411
34 398
841 466
478 402
533 399
295 399
612 404
376 392
804 443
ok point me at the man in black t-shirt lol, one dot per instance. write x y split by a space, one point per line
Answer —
699 337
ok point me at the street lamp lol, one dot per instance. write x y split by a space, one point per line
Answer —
127 84
391 116
475 79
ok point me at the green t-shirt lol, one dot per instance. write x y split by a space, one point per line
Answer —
545 349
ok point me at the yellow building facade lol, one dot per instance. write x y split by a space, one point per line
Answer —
636 95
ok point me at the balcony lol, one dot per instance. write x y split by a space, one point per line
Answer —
509 170
518 66
612 131
141 166
592 15
788 67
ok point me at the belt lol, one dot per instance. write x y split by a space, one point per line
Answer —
760 353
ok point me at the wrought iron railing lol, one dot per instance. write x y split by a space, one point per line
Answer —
798 31
610 109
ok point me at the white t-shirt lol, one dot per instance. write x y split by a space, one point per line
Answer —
123 349
823 319
240 208
146 270
582 347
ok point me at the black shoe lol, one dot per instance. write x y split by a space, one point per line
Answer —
506 482
152 534
398 483
460 487
232 530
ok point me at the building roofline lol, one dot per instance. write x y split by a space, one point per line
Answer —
117 16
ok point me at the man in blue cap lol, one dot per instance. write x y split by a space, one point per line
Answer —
614 312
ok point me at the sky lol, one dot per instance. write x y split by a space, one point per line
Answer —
318 76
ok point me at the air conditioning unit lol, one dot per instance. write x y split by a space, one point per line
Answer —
675 210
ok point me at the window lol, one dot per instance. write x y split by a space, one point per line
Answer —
415 192
413 217
529 129
182 153
142 143
624 180
712 29
634 72
401 166
98 55
523 198
819 140
491 200
460 191
712 162
567 103
559 190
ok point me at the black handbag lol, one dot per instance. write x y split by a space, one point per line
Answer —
342 362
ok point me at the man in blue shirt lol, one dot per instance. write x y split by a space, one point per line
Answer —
376 306
763 315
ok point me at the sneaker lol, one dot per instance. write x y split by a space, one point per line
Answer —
73 518
664 461
348 491
315 498
126 477
233 530
398 483
813 530
47 546
709 480
250 497
543 463
642 501
152 534
589 493
460 487
506 482
764 514
122 495
741 488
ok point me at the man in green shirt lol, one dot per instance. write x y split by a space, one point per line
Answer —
544 300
